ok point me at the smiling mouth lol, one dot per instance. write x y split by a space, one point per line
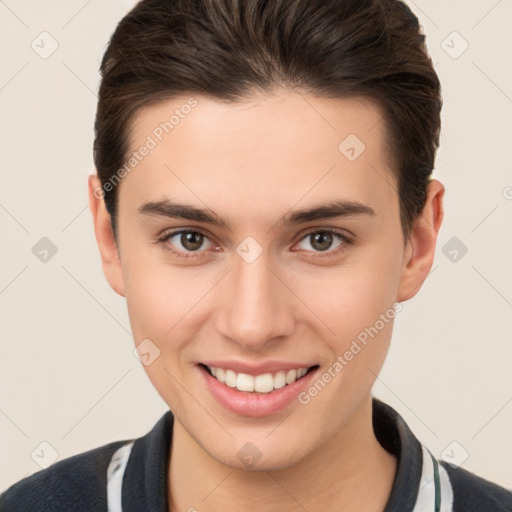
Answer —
264 383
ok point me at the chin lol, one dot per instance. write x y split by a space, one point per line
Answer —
252 459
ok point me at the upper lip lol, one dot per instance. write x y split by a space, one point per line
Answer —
257 368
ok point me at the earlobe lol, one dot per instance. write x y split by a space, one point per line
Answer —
107 245
420 249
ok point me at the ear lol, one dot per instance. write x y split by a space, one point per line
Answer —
110 259
420 248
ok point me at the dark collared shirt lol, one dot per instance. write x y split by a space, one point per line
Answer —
132 476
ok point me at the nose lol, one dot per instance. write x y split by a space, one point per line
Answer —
257 308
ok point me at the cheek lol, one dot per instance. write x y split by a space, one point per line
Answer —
350 298
165 305
355 305
159 295
161 302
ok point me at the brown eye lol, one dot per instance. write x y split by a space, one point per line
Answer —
325 241
321 241
185 243
191 240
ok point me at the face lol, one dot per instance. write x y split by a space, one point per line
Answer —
257 239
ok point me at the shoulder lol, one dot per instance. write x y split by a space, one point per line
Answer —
472 493
76 483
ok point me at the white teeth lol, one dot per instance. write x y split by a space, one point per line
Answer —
230 378
220 374
291 376
264 383
279 380
245 382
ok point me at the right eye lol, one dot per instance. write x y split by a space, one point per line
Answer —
190 241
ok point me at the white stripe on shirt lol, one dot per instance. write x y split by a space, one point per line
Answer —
446 490
427 492
115 474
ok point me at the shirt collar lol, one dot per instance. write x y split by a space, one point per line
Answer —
396 437
145 479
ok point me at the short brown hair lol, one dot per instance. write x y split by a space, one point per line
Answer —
228 49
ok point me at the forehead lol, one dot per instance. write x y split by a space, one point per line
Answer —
284 147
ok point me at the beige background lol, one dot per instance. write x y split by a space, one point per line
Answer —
68 376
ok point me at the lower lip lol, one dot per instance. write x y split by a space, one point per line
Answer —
255 404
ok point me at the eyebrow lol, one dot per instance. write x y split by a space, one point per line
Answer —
331 209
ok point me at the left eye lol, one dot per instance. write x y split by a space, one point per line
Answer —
321 241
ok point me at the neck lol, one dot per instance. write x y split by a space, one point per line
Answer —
351 471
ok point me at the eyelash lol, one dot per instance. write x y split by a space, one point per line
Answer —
346 241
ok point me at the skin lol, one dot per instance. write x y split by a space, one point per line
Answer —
252 162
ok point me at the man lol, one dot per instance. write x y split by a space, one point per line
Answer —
264 199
